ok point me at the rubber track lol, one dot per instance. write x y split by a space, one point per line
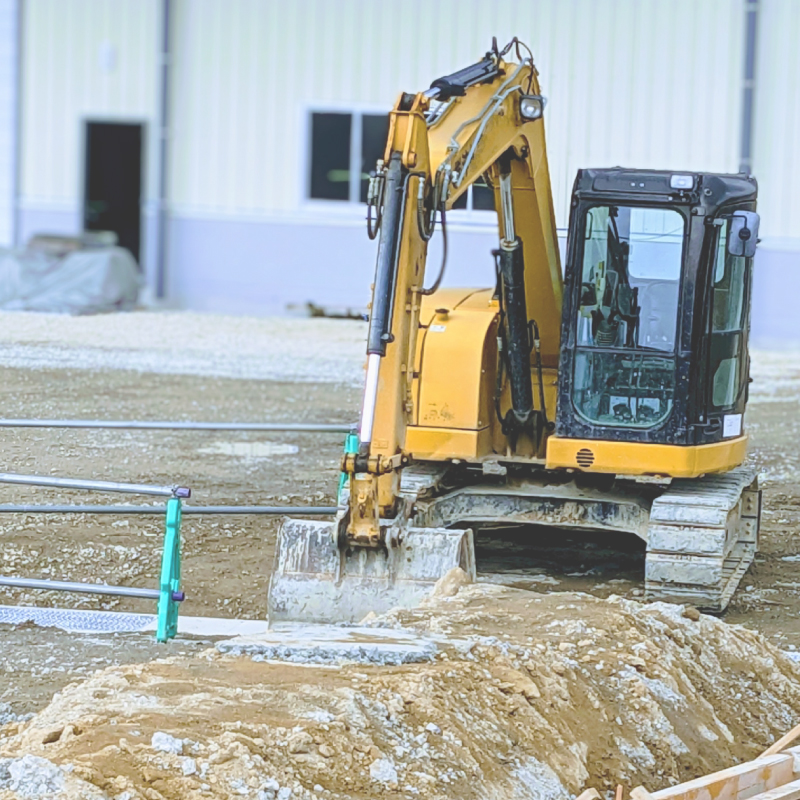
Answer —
702 537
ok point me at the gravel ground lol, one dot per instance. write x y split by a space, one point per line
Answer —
148 365
184 343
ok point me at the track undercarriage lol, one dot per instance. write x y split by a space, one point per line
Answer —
701 537
701 534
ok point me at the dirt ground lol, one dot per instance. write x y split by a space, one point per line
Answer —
227 561
528 695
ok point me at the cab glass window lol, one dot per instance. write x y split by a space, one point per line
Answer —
729 281
628 316
631 276
728 317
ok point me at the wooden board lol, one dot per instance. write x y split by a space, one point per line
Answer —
742 782
789 791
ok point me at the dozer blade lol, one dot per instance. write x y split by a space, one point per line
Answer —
314 581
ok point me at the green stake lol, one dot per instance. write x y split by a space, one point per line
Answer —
170 574
350 446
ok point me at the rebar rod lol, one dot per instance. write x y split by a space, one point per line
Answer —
95 486
85 588
180 425
135 510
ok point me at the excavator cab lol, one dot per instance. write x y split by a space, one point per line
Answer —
655 321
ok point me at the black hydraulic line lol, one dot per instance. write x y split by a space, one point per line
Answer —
539 375
455 84
517 338
380 318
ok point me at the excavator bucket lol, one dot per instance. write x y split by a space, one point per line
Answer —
314 581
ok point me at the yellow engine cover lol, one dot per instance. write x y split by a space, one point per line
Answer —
455 374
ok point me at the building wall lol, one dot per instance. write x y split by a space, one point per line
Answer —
776 157
82 59
635 82
639 82
776 164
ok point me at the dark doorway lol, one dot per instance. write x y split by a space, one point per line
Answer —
113 182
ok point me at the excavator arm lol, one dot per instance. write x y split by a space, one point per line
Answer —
486 120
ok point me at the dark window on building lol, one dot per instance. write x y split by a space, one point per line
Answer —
478 197
330 156
336 136
374 130
482 196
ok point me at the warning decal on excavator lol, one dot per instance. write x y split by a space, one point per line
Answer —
732 425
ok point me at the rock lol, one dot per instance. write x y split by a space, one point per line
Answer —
52 735
284 793
638 663
166 743
189 766
300 743
432 727
31 776
690 612
327 751
383 771
513 681
450 583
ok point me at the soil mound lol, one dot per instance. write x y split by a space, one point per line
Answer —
527 695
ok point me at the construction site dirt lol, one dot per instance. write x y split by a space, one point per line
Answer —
113 368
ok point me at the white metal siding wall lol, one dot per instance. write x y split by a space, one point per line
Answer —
8 118
776 158
82 58
644 83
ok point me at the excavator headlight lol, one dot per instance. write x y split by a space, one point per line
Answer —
531 106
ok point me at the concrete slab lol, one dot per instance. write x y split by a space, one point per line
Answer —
325 644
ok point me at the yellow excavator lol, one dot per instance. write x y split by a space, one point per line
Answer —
609 400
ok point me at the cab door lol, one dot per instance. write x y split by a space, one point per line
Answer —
728 328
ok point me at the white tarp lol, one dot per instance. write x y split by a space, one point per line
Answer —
87 281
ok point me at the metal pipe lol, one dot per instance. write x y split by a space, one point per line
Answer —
86 588
748 86
95 486
163 150
136 510
295 427
15 87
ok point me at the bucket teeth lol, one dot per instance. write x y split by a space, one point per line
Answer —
314 581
